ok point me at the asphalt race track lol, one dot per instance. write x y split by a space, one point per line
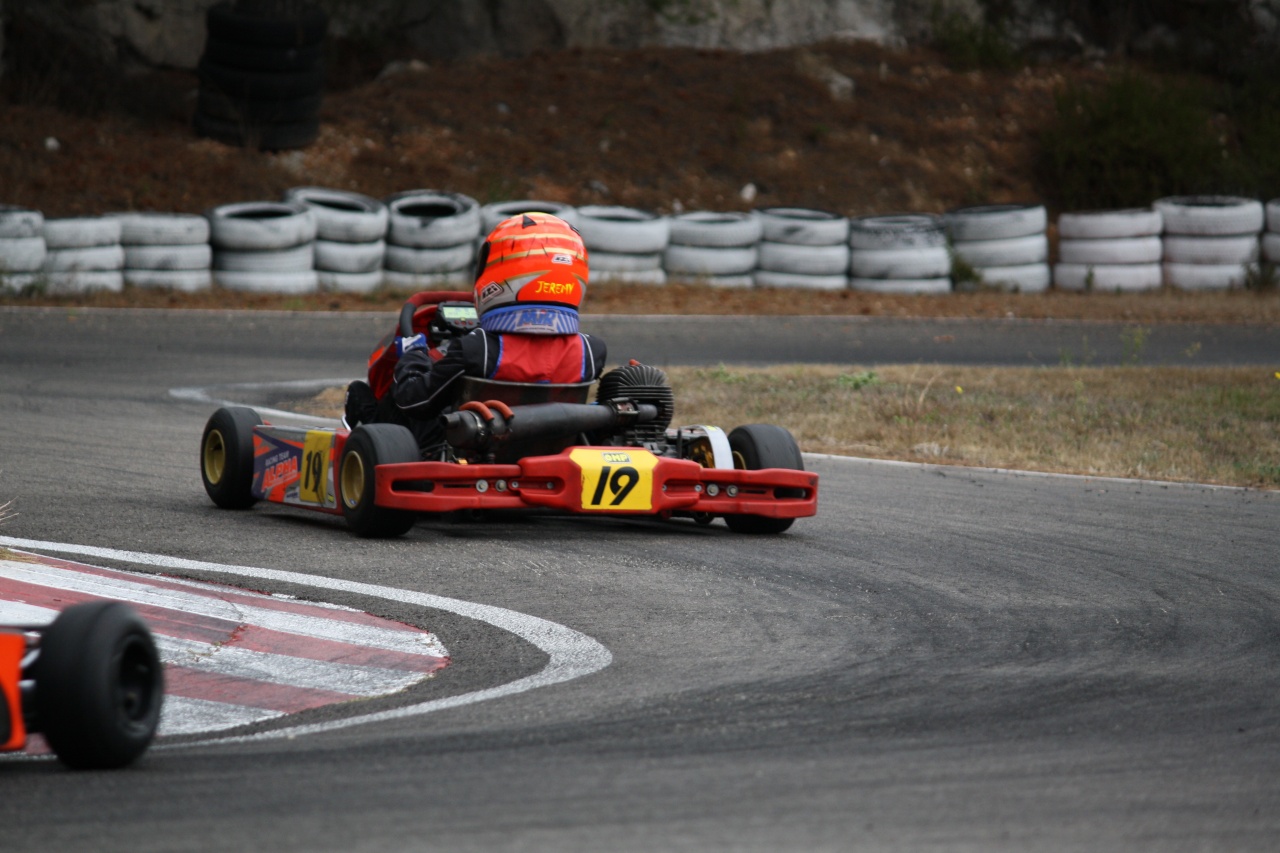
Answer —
943 659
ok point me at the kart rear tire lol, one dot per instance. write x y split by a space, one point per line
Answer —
369 446
99 686
757 446
226 457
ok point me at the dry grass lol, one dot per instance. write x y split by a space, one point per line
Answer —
1202 425
1219 425
1162 306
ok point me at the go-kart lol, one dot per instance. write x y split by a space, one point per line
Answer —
513 446
90 682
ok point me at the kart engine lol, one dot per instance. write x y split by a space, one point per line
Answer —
640 383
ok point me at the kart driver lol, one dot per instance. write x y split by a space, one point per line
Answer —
531 276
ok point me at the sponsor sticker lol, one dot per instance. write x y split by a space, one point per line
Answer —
280 472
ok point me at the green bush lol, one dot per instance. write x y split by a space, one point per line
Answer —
1137 138
1129 142
973 45
1250 96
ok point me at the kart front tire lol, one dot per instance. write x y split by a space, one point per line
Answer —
757 446
99 686
369 446
226 457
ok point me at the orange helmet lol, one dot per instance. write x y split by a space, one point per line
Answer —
531 276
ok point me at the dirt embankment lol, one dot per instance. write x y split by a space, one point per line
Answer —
666 129
660 129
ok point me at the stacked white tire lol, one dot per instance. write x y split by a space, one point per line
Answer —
22 248
492 214
721 249
83 254
1271 238
350 245
264 247
1109 251
899 253
1006 244
624 244
166 250
802 248
431 240
1210 242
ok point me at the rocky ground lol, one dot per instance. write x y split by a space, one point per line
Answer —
667 130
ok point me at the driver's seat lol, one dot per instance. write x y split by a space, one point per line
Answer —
524 393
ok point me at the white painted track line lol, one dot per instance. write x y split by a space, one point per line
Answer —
571 654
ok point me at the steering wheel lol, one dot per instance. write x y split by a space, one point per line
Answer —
427 299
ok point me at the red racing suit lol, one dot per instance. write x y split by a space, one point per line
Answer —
424 388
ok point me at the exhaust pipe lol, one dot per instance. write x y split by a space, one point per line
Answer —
480 428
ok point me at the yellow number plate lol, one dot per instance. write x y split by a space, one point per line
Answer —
313 486
616 479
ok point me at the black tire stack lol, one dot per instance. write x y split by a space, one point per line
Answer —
262 74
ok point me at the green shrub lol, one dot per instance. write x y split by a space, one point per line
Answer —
1129 142
1250 96
972 45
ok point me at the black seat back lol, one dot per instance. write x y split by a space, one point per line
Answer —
524 393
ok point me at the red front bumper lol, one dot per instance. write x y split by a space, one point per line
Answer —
559 483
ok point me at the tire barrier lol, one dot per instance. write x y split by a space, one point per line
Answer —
721 249
83 254
624 244
22 248
22 254
899 253
261 75
19 222
431 239
264 246
318 238
1210 242
492 214
166 250
1005 244
802 248
1271 237
1109 250
350 247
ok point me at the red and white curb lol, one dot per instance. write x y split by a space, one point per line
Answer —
231 656
294 655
